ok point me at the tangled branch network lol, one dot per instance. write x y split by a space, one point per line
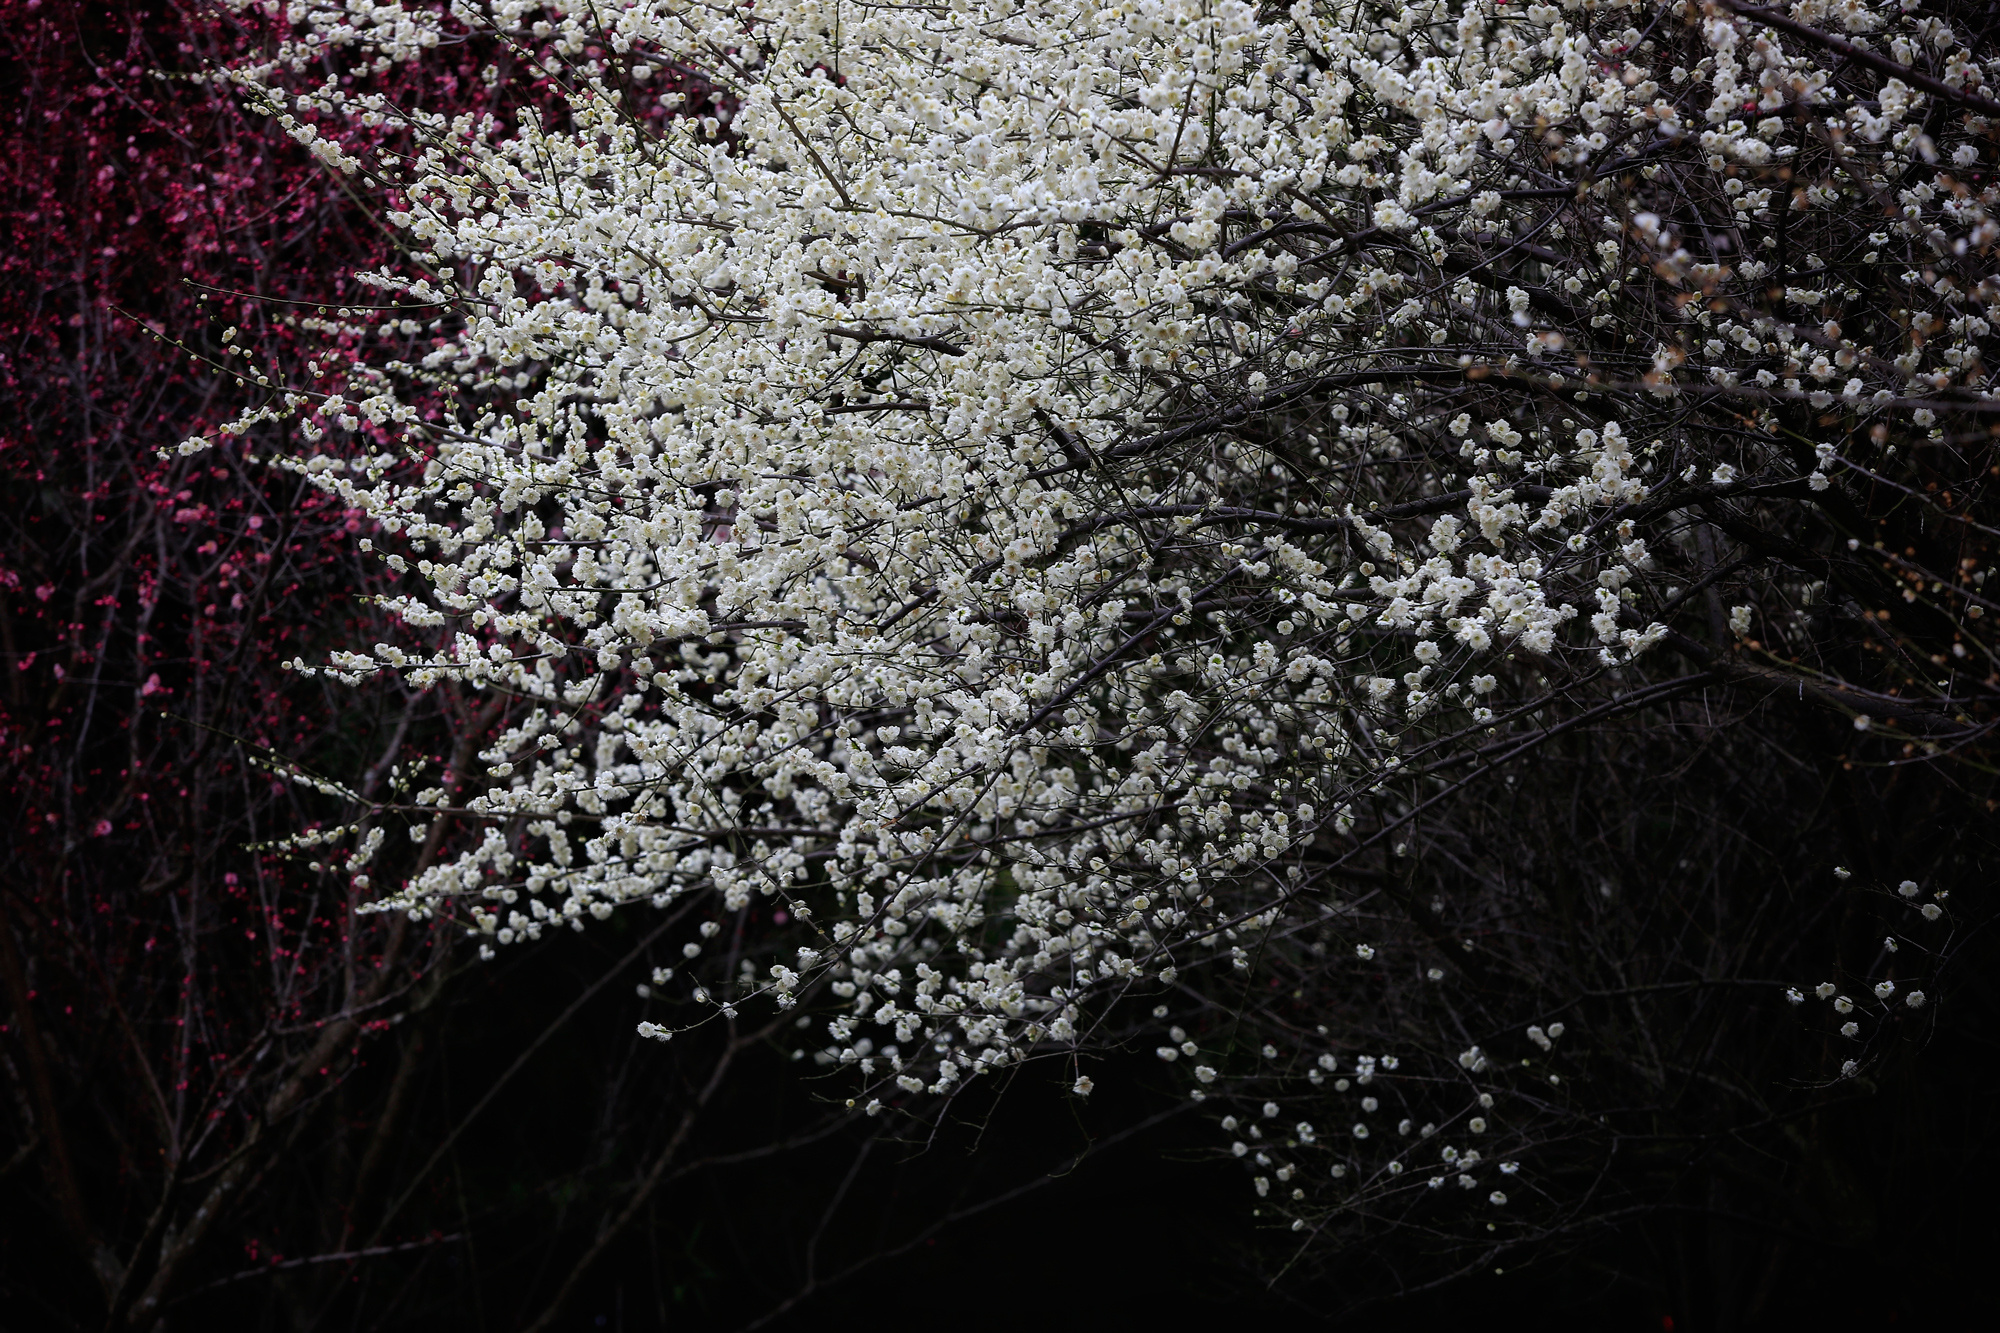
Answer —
1033 490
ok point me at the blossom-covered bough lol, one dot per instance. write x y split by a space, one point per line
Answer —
1029 504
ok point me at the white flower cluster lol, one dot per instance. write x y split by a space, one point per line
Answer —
1007 476
1286 1155
1886 991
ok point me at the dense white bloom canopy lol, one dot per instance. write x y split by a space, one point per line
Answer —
1006 481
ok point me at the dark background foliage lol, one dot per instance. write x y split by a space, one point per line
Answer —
232 1102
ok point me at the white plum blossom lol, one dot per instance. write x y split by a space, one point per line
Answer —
1018 487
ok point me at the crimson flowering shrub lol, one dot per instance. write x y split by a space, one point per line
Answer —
144 607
